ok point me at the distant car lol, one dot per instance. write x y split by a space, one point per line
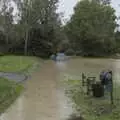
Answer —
60 57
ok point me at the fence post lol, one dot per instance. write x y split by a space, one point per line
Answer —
88 92
83 79
111 93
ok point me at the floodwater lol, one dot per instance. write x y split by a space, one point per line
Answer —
17 77
44 97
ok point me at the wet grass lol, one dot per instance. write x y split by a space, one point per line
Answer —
16 63
91 108
9 91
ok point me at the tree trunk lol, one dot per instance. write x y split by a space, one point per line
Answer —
7 39
26 43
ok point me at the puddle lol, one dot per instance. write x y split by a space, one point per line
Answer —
13 76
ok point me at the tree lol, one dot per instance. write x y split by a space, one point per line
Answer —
41 17
117 38
106 2
6 16
91 28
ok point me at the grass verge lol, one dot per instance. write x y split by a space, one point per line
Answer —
93 108
9 91
16 63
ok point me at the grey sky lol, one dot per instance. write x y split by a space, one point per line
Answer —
66 6
115 4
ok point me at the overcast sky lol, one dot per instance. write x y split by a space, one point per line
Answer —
66 6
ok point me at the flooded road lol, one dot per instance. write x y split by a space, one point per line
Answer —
44 97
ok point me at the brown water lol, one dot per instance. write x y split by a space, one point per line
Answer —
44 97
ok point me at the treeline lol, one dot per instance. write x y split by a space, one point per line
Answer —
30 27
35 28
92 29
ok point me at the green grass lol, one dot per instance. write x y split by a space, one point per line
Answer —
9 91
93 108
16 63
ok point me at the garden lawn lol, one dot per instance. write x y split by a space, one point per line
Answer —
16 63
9 91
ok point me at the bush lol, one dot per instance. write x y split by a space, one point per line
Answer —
70 52
1 54
78 53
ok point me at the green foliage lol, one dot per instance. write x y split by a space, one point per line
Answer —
41 25
9 91
91 28
70 52
106 2
78 53
6 16
117 38
35 29
16 63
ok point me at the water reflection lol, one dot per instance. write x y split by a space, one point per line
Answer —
61 65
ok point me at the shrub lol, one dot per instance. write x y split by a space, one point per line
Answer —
70 52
